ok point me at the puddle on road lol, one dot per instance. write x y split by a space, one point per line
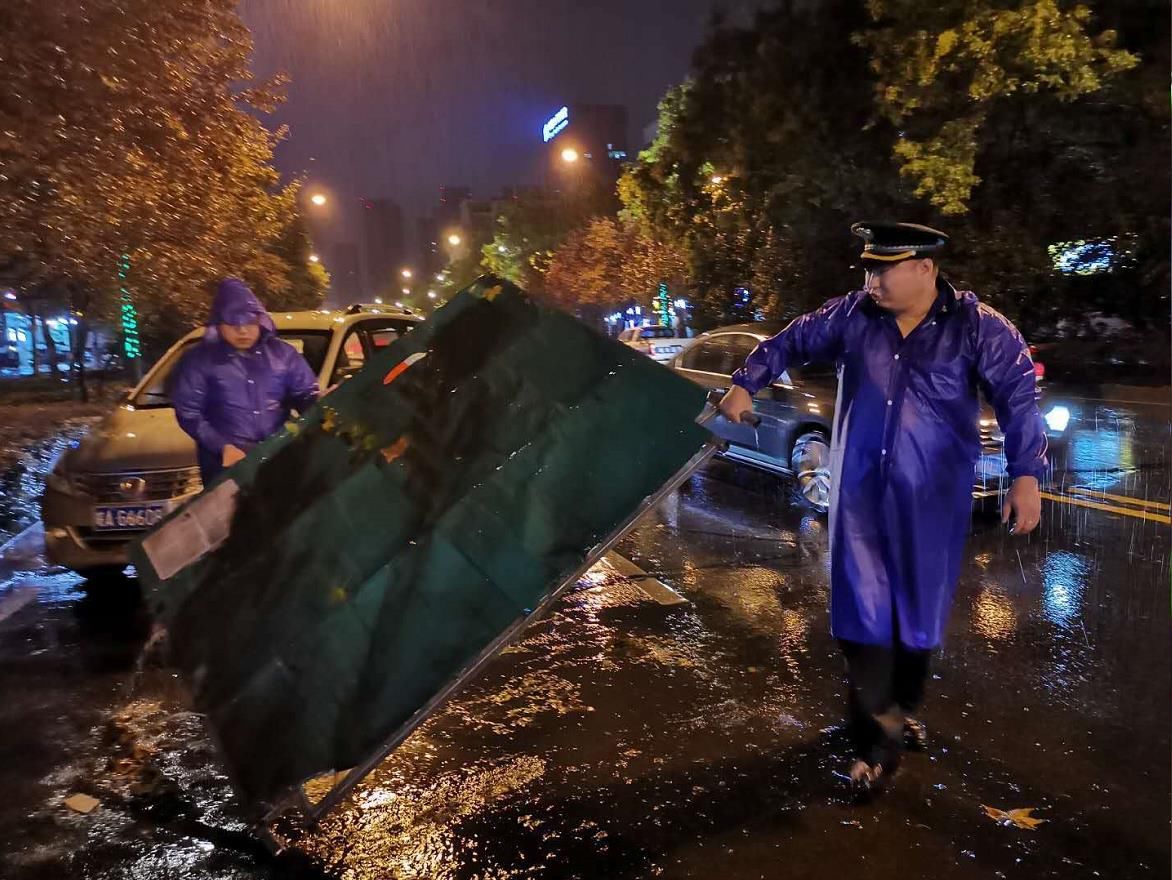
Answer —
619 737
22 482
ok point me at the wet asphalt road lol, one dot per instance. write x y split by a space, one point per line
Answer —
622 738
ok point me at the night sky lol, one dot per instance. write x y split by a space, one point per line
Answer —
392 98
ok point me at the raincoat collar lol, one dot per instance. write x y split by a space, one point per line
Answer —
947 300
236 304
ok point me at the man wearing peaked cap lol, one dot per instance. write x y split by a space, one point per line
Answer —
895 242
911 352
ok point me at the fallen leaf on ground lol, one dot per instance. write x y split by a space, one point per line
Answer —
1019 818
81 803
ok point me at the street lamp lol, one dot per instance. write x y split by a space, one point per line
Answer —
314 258
454 240
318 199
378 300
406 291
717 179
569 155
406 273
431 294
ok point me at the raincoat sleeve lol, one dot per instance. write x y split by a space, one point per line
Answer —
815 336
1006 374
189 394
301 388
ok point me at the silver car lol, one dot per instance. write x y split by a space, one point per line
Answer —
659 343
137 465
797 416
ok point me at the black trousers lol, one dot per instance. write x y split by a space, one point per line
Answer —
884 684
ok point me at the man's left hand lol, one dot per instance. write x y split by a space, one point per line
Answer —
1024 505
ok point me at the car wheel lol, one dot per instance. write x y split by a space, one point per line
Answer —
810 462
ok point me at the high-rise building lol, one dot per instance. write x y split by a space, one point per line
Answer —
587 139
384 248
478 218
650 133
345 274
448 212
427 246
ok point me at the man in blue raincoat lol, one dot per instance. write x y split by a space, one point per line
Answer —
238 384
912 352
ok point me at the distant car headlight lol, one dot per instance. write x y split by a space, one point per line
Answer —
1057 418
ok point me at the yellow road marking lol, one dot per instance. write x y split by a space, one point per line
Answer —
1123 499
1110 508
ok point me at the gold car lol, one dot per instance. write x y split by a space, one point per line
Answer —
137 465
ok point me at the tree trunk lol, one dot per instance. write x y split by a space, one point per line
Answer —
81 331
32 334
50 347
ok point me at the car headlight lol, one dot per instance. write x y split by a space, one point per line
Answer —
59 481
1057 418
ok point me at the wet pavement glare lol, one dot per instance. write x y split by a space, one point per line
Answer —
624 738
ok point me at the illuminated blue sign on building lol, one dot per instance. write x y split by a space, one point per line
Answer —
556 123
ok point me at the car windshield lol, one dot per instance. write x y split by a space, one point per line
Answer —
312 344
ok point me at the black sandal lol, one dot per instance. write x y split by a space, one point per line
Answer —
915 735
867 780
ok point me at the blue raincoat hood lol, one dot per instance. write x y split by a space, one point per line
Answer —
236 304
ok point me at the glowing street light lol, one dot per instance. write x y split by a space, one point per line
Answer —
406 273
314 258
570 155
318 199
440 277
406 291
378 300
431 294
717 179
398 305
454 240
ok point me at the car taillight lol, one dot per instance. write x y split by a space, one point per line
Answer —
1039 367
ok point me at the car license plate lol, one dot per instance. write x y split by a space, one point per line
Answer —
128 518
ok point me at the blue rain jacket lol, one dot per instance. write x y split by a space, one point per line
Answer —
906 441
223 396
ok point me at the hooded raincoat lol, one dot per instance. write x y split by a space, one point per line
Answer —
906 441
224 396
